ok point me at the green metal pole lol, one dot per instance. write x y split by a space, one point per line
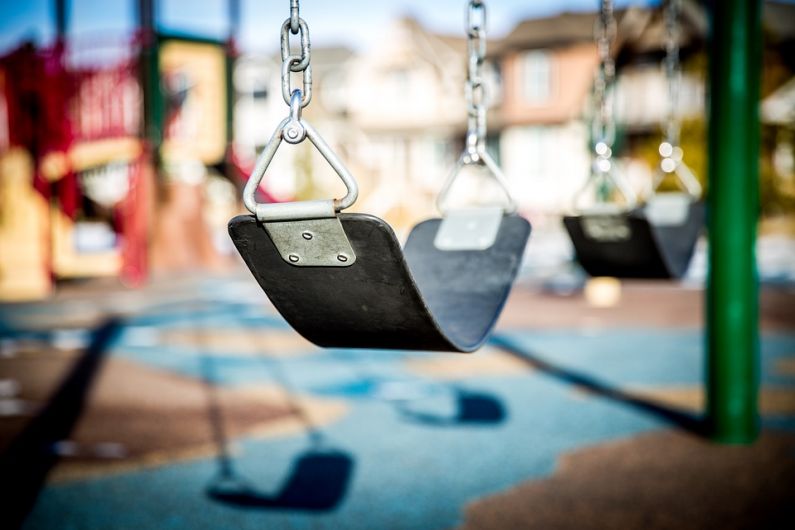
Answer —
732 289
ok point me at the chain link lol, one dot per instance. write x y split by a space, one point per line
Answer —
673 73
475 89
292 62
294 24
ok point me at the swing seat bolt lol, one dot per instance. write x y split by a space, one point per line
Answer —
307 235
342 257
293 258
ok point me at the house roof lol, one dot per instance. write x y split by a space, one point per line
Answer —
563 29
640 31
692 28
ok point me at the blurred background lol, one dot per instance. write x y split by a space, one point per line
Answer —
145 381
127 132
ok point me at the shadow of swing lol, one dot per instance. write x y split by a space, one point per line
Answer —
692 423
317 481
318 478
28 459
470 408
415 398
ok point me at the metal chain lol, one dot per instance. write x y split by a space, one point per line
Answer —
603 178
672 162
294 129
603 124
296 63
475 89
475 93
669 147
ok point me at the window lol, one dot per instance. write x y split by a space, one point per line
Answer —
536 77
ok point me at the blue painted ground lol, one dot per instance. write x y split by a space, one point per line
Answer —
392 462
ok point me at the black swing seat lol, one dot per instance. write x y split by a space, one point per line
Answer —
420 298
630 245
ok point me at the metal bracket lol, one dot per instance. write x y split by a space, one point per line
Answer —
617 182
293 129
606 228
469 228
668 209
476 158
312 242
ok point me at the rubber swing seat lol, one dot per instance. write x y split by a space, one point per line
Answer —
630 245
418 298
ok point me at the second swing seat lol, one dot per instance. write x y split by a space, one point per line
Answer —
636 244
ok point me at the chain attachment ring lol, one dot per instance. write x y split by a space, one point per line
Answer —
294 130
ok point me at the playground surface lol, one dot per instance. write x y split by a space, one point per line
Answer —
191 404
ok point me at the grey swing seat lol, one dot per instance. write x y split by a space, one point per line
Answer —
632 245
342 279
419 298
655 240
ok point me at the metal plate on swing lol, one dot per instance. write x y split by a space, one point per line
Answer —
312 242
469 228
606 227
